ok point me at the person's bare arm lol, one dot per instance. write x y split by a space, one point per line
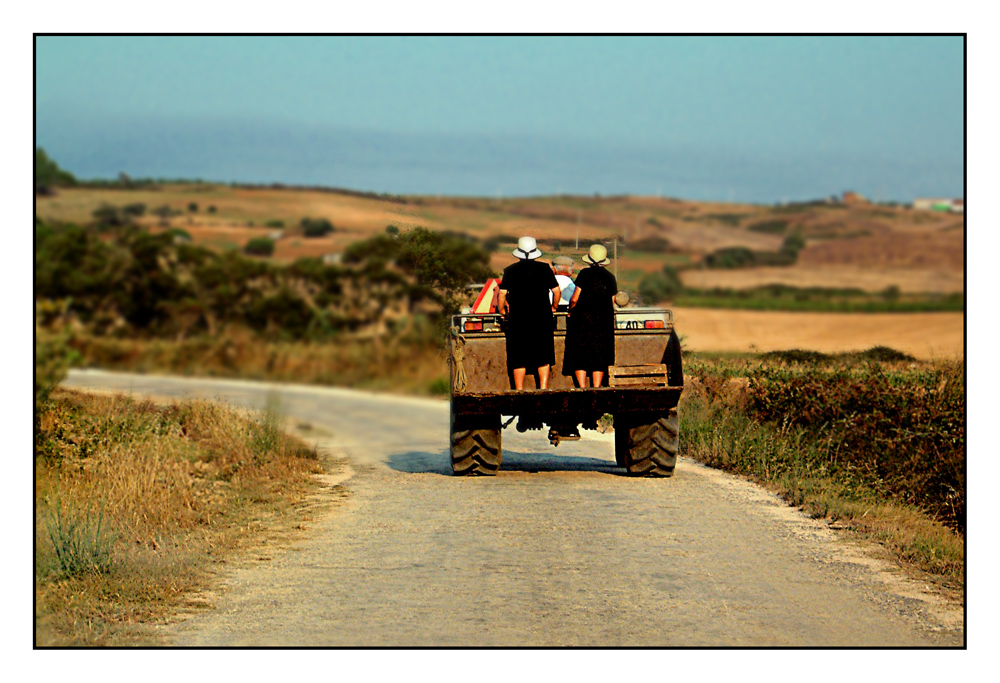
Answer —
502 305
556 296
573 299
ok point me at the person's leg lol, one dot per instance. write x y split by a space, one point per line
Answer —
581 378
519 378
598 377
543 377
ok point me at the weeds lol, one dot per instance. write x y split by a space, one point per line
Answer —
135 501
79 538
877 448
263 434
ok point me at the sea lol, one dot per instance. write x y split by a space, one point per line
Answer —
476 165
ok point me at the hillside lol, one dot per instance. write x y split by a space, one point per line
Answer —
859 245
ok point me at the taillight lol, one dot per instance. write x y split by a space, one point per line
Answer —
471 326
654 324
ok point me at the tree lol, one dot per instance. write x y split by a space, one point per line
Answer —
137 209
259 246
316 227
48 175
793 244
109 216
664 285
441 263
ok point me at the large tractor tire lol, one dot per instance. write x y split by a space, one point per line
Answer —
475 445
646 445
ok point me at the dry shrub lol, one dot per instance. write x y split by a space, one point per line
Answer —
875 449
392 363
134 500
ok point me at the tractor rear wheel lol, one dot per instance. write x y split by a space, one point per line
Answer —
647 445
475 444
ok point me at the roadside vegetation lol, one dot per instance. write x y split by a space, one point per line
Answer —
874 443
136 504
412 364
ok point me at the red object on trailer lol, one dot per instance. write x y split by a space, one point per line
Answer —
486 302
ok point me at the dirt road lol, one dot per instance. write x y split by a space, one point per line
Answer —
559 549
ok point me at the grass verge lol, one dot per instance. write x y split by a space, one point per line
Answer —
136 503
876 449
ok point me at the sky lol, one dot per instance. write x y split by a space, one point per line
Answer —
750 118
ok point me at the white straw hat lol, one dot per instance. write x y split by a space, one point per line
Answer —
527 249
598 255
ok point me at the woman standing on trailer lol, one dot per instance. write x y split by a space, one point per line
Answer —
590 329
527 309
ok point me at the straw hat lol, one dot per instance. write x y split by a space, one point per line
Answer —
527 249
598 255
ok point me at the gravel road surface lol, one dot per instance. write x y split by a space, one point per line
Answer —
559 549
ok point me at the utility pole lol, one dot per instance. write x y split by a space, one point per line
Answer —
616 258
578 228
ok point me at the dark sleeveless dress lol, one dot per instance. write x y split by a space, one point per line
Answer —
590 331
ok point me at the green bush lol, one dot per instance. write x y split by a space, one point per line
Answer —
180 233
53 357
316 227
109 216
274 223
663 285
444 261
440 387
731 257
793 244
259 246
899 432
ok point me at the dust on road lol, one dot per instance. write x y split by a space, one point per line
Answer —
559 549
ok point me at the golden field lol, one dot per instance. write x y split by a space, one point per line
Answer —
858 245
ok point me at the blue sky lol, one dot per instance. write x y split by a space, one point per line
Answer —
773 117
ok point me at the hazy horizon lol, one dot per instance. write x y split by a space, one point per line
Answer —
744 119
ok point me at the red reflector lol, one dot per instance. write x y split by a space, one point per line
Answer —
654 324
473 327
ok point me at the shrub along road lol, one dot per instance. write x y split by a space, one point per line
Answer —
559 549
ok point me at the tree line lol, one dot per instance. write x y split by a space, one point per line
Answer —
138 283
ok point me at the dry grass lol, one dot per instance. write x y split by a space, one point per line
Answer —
393 365
135 503
922 335
798 464
870 279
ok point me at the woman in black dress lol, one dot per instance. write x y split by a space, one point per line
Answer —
524 302
590 330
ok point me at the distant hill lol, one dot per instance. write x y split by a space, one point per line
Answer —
862 245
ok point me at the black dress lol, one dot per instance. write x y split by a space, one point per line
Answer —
590 330
529 327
